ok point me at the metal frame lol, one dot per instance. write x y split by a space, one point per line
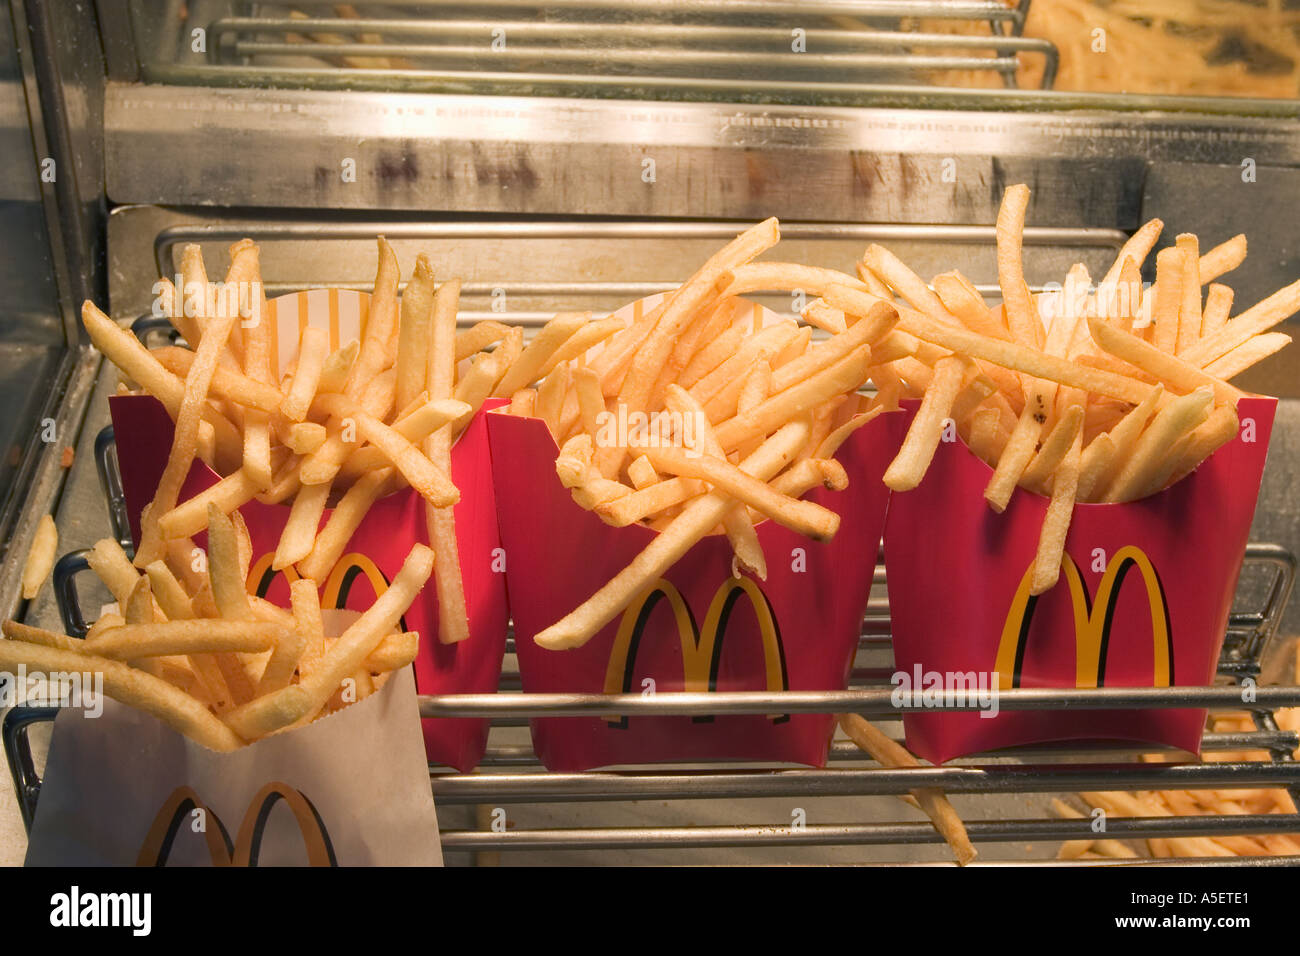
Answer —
715 55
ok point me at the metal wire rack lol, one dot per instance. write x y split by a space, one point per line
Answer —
531 303
510 775
606 47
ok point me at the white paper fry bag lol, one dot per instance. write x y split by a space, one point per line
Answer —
351 789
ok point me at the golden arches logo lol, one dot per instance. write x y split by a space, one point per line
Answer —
1092 621
337 586
245 849
701 646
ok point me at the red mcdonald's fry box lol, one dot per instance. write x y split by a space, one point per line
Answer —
699 628
377 548
1143 600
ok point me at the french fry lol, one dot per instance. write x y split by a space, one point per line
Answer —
132 687
1176 373
933 802
1179 417
440 520
271 712
307 616
27 634
1189 309
169 592
227 383
1218 304
1258 318
423 475
40 559
845 375
313 348
1094 463
346 517
695 521
783 276
479 337
125 351
299 534
1222 258
539 351
905 471
134 641
1022 318
394 652
110 563
191 516
1248 353
372 357
1051 537
1011 355
223 568
1054 448
414 332
808 473
807 518
338 366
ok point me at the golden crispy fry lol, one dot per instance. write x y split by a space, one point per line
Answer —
133 641
132 687
695 521
40 559
313 349
906 470
936 806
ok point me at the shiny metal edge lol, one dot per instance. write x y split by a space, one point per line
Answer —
868 834
40 493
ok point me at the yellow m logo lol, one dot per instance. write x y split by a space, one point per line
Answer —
1092 622
183 803
701 647
337 587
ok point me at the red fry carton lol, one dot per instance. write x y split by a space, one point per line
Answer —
1143 600
376 550
700 628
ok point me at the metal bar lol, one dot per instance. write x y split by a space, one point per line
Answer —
870 702
169 238
605 32
518 755
868 834
935 9
502 788
674 59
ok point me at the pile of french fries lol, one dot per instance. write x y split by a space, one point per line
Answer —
1078 394
342 427
221 666
741 418
1170 803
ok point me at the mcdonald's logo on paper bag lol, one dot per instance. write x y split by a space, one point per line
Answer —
1092 621
180 806
701 646
338 586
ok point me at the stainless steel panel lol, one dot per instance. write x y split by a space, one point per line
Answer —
482 155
